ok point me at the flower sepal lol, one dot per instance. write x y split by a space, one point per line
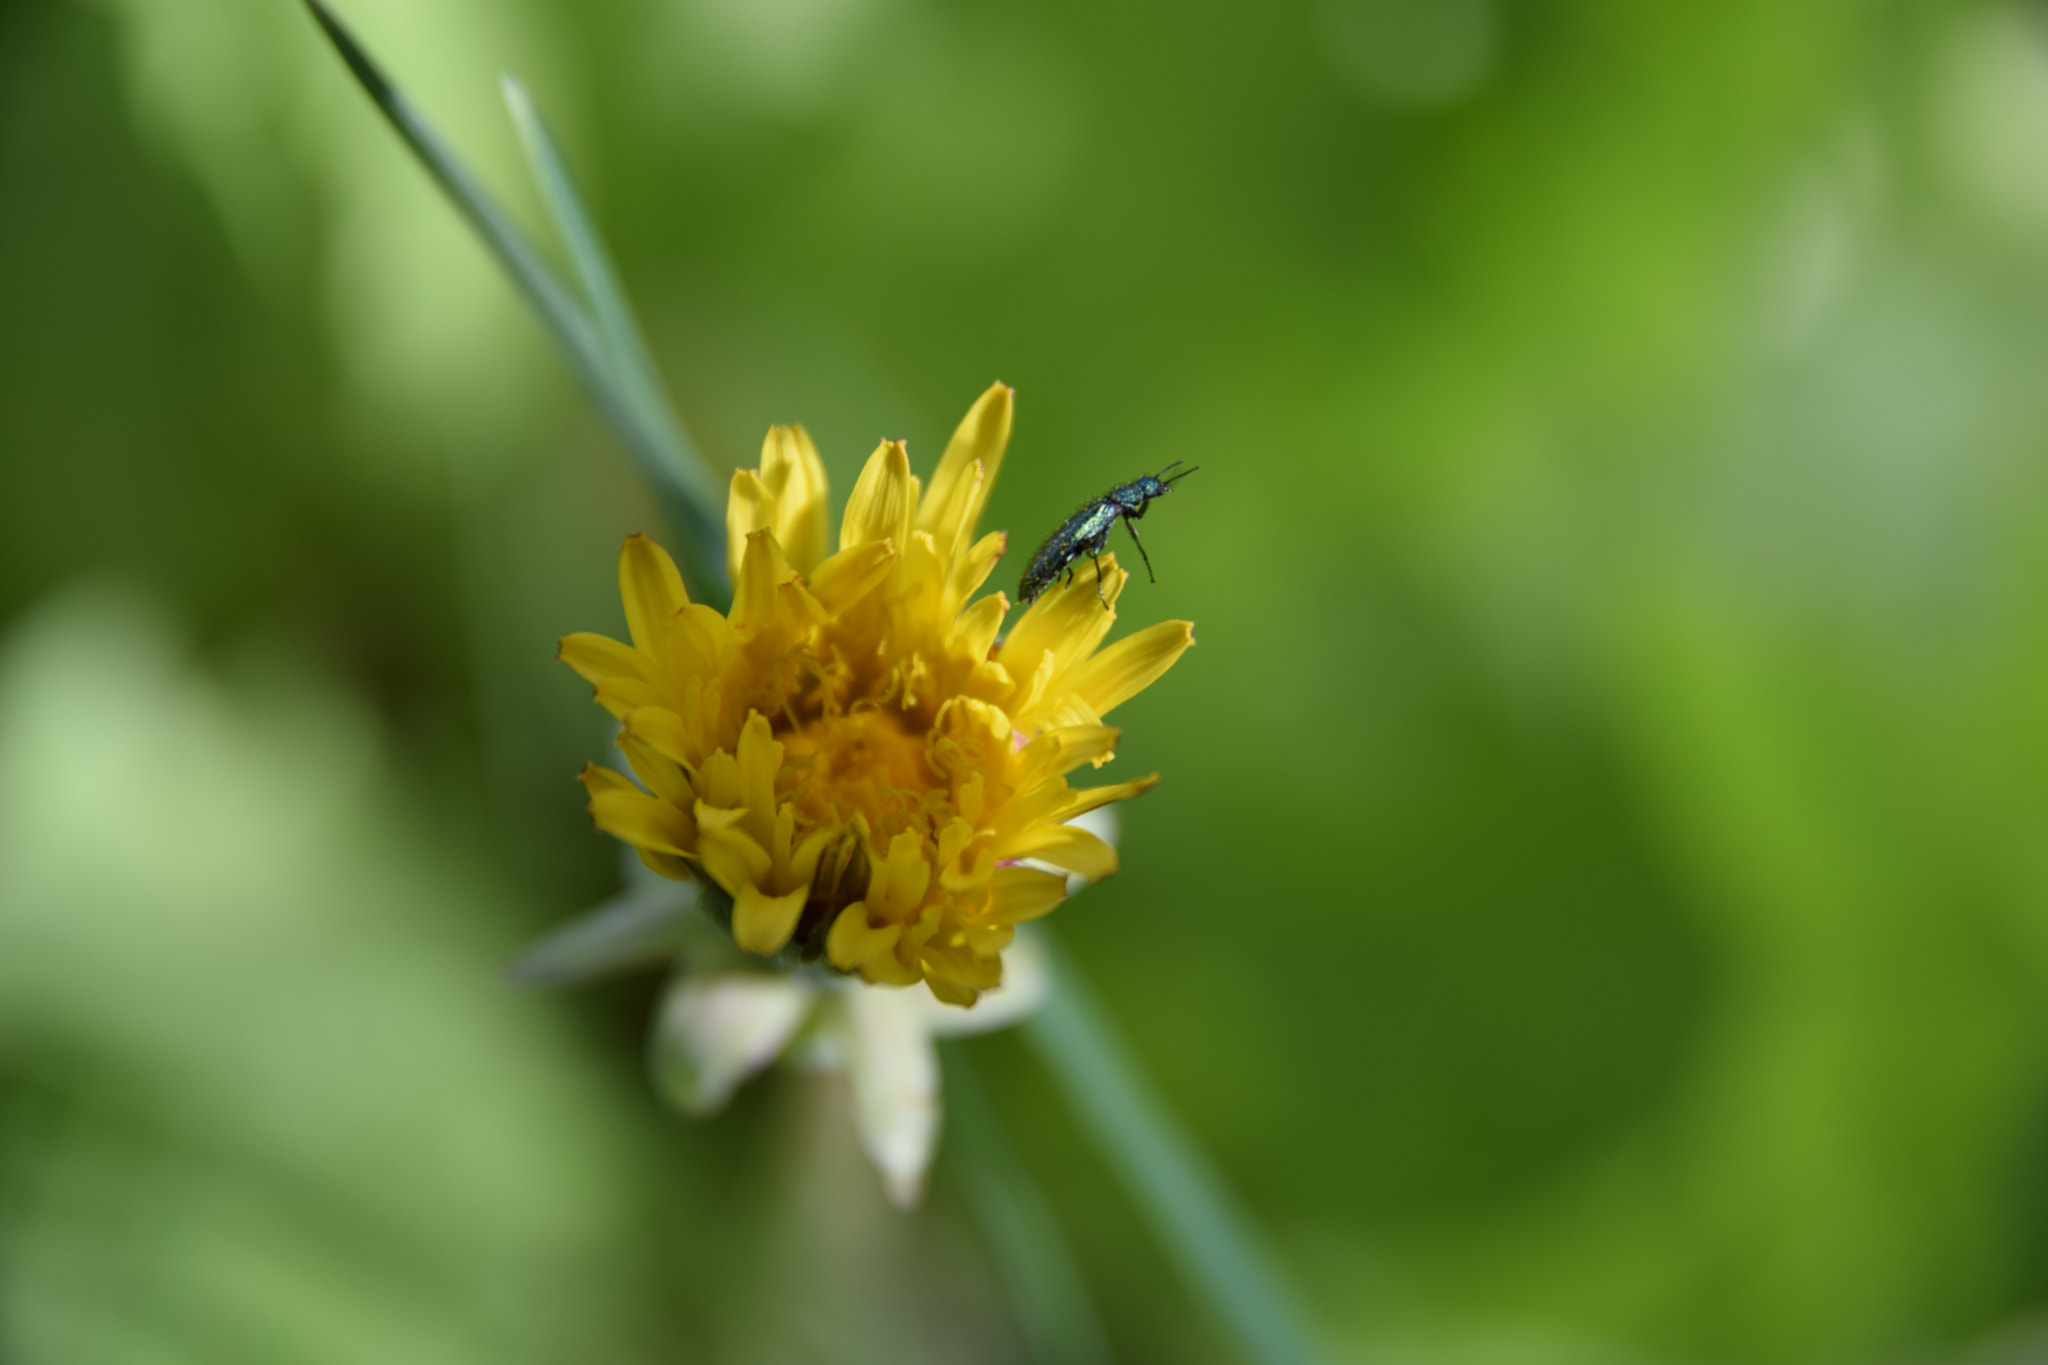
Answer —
653 920
727 1016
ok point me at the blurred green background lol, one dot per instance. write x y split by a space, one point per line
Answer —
1597 906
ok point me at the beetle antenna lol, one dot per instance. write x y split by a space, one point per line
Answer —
1178 477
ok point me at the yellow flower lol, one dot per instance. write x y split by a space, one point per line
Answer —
850 753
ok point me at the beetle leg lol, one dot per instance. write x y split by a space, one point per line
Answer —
1131 525
1098 582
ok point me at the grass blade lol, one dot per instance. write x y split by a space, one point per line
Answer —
617 332
1032 1258
1198 1225
686 490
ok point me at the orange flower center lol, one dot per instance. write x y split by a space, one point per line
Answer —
862 763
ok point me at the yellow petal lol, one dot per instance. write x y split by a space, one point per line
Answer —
623 696
852 944
640 820
889 969
882 501
718 780
662 731
1058 752
974 631
1065 709
733 860
803 863
760 758
1038 679
1024 893
1039 805
762 923
987 940
950 991
799 610
749 507
897 883
982 436
1091 798
971 871
965 860
1066 846
792 471
984 728
958 976
782 838
763 571
653 592
971 570
662 774
852 574
1067 619
1129 666
623 811
596 779
990 681
597 658
699 634
920 581
949 518
666 865
718 819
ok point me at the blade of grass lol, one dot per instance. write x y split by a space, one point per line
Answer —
1031 1257
1179 1194
679 483
617 332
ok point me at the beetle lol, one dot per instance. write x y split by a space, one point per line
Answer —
1087 533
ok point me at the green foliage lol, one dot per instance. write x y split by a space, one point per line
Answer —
1593 908
600 342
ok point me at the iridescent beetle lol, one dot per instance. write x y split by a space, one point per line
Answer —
1087 533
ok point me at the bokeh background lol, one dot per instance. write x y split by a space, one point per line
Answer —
1597 906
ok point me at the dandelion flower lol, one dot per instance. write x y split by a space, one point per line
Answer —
851 755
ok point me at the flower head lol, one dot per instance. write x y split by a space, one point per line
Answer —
850 754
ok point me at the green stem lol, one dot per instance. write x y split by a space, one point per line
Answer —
618 336
1032 1258
690 494
1177 1191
